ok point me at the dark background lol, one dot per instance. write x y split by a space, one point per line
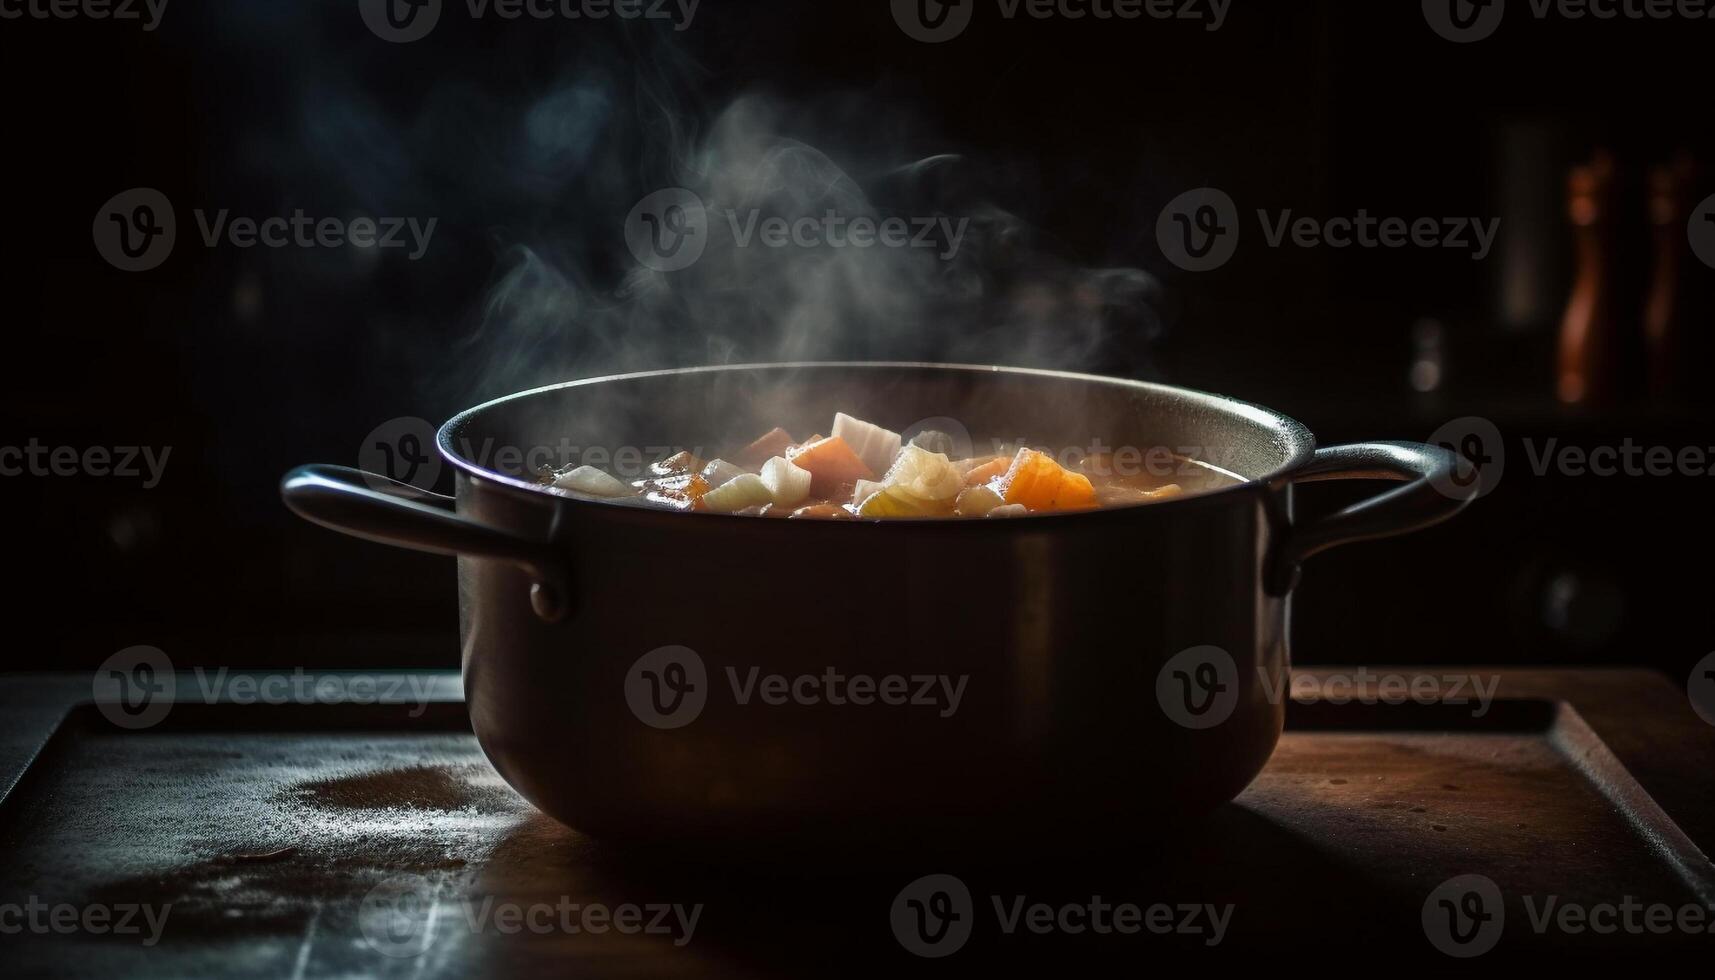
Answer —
543 135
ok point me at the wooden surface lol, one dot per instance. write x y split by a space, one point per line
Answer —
265 828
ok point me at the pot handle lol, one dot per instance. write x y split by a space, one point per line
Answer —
376 508
1441 483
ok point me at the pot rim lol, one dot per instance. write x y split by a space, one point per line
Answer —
1297 442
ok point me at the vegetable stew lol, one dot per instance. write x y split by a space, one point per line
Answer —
863 471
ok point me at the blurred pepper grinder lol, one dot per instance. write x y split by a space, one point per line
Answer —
1587 370
1666 305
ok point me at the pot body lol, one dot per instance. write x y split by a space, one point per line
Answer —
1038 682
1034 659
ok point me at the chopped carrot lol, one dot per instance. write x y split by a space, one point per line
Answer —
683 492
831 463
773 443
1039 483
988 471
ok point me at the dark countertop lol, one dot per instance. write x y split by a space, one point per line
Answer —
314 840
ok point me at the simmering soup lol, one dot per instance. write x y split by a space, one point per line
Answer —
861 470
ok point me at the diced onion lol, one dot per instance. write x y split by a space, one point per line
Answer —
721 472
873 444
746 490
978 501
788 482
863 490
925 475
595 482
895 502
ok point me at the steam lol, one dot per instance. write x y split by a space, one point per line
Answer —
988 288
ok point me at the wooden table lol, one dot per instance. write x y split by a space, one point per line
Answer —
314 840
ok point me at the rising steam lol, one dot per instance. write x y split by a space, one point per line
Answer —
575 303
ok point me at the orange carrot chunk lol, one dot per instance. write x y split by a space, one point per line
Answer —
831 463
1040 484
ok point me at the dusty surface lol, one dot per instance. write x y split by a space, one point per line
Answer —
307 850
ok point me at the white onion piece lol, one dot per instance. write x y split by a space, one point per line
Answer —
745 490
720 472
925 475
979 501
588 479
873 444
1010 510
787 481
863 490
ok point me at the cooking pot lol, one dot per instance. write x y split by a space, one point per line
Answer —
731 681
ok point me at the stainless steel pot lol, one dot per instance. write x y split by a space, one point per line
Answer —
1112 669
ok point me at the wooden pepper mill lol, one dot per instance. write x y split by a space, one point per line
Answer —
1587 368
1665 304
